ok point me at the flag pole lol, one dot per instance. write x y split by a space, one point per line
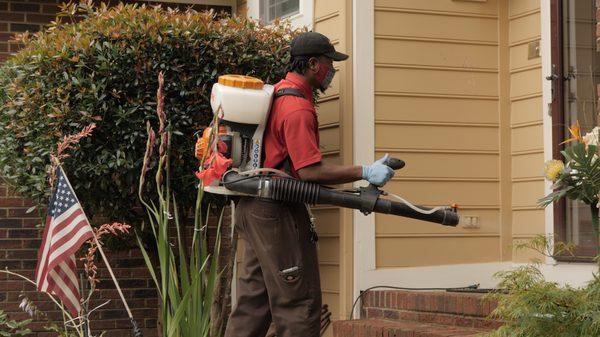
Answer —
112 275
136 330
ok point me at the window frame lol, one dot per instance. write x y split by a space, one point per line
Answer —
264 11
580 254
300 20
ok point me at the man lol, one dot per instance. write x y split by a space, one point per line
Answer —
280 277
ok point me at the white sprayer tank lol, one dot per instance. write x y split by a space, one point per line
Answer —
242 99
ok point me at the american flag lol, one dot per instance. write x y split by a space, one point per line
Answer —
67 228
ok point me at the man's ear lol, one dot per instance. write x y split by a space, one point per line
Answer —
313 64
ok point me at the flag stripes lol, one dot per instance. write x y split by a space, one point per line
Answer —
67 228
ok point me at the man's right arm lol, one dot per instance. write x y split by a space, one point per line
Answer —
377 173
303 149
323 173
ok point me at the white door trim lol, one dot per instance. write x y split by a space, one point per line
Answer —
546 54
363 93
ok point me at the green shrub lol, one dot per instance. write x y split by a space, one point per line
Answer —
103 69
536 307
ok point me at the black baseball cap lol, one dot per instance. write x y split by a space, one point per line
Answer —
315 44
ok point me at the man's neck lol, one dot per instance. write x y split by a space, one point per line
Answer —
302 76
304 79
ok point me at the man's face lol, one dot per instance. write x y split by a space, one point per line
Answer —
320 72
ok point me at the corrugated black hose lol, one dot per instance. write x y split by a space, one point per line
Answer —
366 199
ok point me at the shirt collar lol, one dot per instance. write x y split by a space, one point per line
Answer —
300 82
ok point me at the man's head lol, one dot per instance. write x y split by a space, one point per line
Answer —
312 56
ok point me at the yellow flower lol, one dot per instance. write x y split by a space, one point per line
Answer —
553 168
575 131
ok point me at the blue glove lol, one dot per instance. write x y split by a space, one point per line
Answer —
378 173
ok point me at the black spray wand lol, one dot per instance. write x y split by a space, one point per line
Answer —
366 199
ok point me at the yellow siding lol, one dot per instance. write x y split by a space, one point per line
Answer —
436 106
457 8
327 22
396 51
415 251
433 26
333 19
454 85
437 109
393 79
526 124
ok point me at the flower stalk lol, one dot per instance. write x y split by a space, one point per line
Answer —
185 276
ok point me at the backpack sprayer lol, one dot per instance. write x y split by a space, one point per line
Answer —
231 151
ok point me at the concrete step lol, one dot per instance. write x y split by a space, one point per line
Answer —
386 328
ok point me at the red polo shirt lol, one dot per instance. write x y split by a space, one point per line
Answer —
292 130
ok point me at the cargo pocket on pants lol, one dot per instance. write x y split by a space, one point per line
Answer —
291 260
294 284
291 275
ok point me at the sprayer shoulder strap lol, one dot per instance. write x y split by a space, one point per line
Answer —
286 164
289 92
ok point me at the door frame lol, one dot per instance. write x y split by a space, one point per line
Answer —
366 273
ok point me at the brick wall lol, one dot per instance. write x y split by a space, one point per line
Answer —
31 15
19 242
18 17
20 238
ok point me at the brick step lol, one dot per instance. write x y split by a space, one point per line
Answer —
385 328
445 308
455 303
433 318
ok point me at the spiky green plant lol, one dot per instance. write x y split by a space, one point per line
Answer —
185 277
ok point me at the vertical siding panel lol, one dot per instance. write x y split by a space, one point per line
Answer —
331 18
436 99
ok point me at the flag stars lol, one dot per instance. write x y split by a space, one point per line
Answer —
64 197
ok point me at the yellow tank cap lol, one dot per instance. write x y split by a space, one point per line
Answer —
241 81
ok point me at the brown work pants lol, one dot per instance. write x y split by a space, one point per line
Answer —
279 280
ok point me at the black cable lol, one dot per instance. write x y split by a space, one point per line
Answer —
473 286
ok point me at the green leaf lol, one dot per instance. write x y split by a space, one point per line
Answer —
148 262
